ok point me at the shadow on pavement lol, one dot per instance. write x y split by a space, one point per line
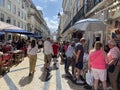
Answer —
25 80
45 76
54 67
73 85
42 69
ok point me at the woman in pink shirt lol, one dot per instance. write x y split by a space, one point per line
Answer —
97 64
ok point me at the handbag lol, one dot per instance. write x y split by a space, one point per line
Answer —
111 68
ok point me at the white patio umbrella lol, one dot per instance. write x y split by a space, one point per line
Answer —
88 25
6 26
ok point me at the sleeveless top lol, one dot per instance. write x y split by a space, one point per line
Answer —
97 60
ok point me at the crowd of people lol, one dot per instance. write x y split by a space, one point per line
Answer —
72 53
99 60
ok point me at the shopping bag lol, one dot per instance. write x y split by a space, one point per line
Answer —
89 78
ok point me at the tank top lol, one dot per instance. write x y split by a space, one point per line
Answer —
97 60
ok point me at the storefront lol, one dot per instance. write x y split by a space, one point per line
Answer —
113 28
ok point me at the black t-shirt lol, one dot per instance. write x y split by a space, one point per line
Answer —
80 47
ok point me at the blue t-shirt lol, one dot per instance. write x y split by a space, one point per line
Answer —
79 47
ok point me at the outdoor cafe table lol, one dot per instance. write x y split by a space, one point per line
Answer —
5 62
17 55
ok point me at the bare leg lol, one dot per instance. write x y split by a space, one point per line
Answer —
78 74
95 84
104 85
75 70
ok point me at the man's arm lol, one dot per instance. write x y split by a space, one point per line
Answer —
77 55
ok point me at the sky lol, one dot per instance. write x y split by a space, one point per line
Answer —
50 9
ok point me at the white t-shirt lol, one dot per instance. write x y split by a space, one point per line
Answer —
40 42
48 48
32 51
69 52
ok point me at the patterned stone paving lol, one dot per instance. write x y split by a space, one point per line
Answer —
18 79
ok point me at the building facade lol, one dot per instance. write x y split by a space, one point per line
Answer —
36 23
14 12
23 14
104 10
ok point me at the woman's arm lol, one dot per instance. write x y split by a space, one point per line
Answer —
106 59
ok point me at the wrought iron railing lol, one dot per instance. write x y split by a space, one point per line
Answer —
91 3
80 14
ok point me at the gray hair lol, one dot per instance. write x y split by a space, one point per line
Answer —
112 42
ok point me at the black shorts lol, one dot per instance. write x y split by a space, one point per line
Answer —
54 56
79 65
40 46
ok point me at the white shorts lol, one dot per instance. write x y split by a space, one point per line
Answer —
99 74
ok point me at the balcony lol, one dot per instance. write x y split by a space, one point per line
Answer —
90 4
80 15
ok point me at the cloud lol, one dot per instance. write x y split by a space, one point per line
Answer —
48 1
52 24
39 7
53 0
55 17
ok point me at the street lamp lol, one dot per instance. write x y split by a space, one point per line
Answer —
59 15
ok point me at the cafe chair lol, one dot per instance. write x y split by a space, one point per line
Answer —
5 62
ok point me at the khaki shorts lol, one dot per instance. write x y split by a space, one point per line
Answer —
99 74
47 58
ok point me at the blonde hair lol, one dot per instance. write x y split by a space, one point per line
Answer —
98 45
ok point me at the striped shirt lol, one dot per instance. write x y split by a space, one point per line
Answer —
114 53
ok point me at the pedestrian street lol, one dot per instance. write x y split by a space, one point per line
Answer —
18 79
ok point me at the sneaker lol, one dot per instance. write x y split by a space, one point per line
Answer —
109 88
74 78
79 82
30 74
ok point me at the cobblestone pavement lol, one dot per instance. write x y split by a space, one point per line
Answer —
18 79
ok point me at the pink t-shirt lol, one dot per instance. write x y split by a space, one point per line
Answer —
97 60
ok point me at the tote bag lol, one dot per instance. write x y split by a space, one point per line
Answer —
89 78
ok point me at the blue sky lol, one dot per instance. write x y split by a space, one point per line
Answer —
50 9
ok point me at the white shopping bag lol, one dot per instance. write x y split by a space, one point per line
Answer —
89 78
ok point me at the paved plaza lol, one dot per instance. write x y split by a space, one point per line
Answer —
18 79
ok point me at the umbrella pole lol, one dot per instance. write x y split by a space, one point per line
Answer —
20 36
5 37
